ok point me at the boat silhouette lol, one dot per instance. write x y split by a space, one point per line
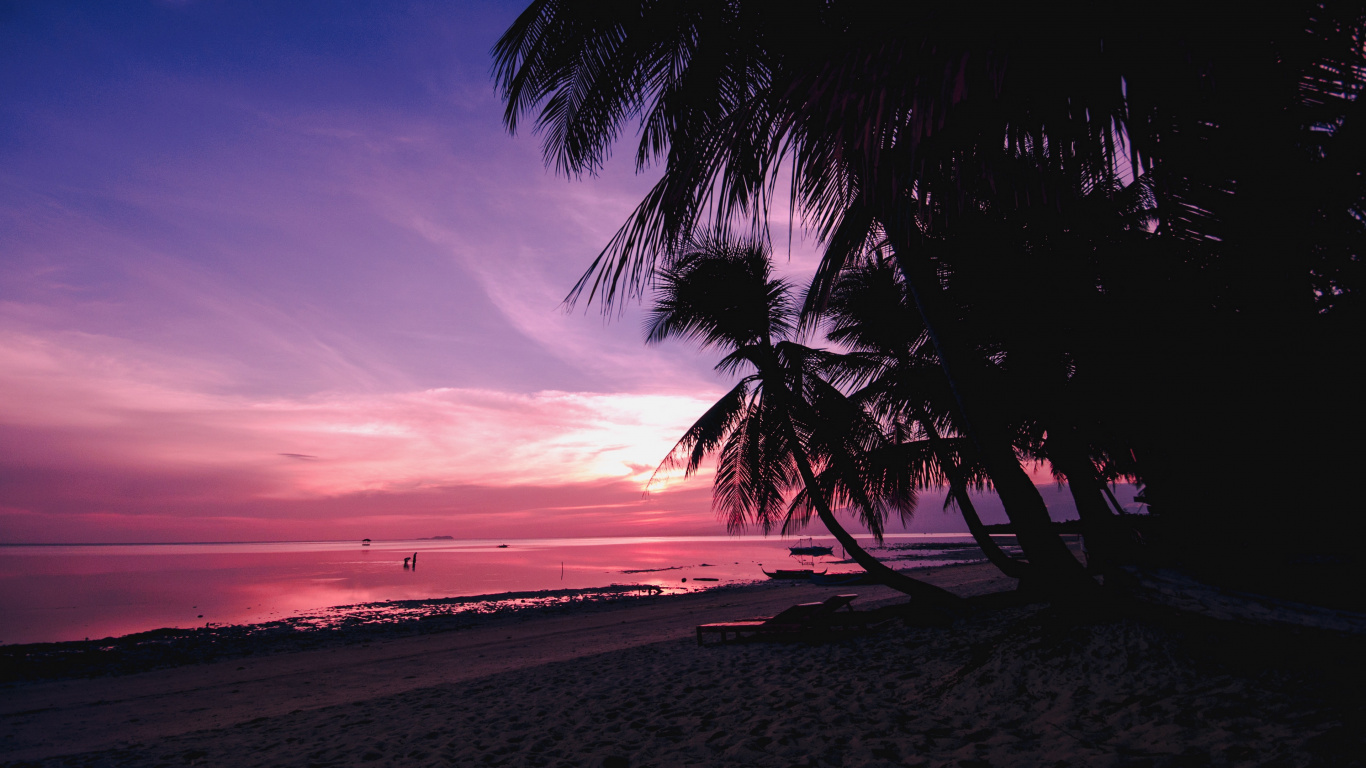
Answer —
809 547
786 574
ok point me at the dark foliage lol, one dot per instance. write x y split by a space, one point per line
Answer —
1133 237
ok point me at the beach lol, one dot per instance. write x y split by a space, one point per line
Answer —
625 683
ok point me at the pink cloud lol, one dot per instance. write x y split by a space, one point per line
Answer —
94 435
118 447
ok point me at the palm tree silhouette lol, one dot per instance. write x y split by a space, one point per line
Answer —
917 124
725 94
890 357
769 436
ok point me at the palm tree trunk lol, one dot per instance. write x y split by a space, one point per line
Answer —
1008 565
1053 562
879 570
1109 494
1097 521
1067 455
959 489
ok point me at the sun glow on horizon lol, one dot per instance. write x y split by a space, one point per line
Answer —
333 444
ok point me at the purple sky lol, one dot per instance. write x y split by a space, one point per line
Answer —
275 270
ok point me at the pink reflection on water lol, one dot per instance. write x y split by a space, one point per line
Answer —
52 593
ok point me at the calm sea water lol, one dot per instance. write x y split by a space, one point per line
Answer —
72 592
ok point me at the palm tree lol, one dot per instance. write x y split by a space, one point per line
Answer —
866 312
769 436
922 121
724 91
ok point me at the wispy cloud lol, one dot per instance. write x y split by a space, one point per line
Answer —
114 423
121 413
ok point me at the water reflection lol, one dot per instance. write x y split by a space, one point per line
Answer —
73 592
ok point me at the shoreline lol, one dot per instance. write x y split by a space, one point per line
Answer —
1009 684
333 626
41 718
343 625
340 624
53 599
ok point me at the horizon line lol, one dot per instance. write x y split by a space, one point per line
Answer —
433 538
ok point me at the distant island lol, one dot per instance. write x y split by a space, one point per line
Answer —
445 538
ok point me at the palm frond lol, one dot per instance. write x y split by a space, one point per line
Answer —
708 432
720 293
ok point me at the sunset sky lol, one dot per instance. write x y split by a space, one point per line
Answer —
276 271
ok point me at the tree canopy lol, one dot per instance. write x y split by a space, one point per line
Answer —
1131 236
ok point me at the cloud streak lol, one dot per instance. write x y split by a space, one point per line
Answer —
68 413
123 413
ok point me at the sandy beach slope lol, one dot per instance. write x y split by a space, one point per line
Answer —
1021 685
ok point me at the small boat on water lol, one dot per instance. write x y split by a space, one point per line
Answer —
782 574
365 542
809 547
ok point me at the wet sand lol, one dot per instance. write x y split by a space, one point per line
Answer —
1012 685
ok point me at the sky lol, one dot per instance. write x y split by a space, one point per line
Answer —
277 271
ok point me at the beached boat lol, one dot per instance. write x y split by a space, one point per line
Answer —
782 574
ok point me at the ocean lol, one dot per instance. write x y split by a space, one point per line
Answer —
72 592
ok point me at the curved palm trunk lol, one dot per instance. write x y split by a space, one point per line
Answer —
1109 494
1097 521
1068 456
1008 565
881 571
1053 563
958 487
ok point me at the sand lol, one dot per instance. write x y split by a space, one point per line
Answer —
628 685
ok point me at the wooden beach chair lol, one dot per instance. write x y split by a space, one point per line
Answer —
795 621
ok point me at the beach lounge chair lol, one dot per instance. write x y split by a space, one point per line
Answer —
795 621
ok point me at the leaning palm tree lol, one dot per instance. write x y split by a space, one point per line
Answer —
772 442
726 92
925 118
868 313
